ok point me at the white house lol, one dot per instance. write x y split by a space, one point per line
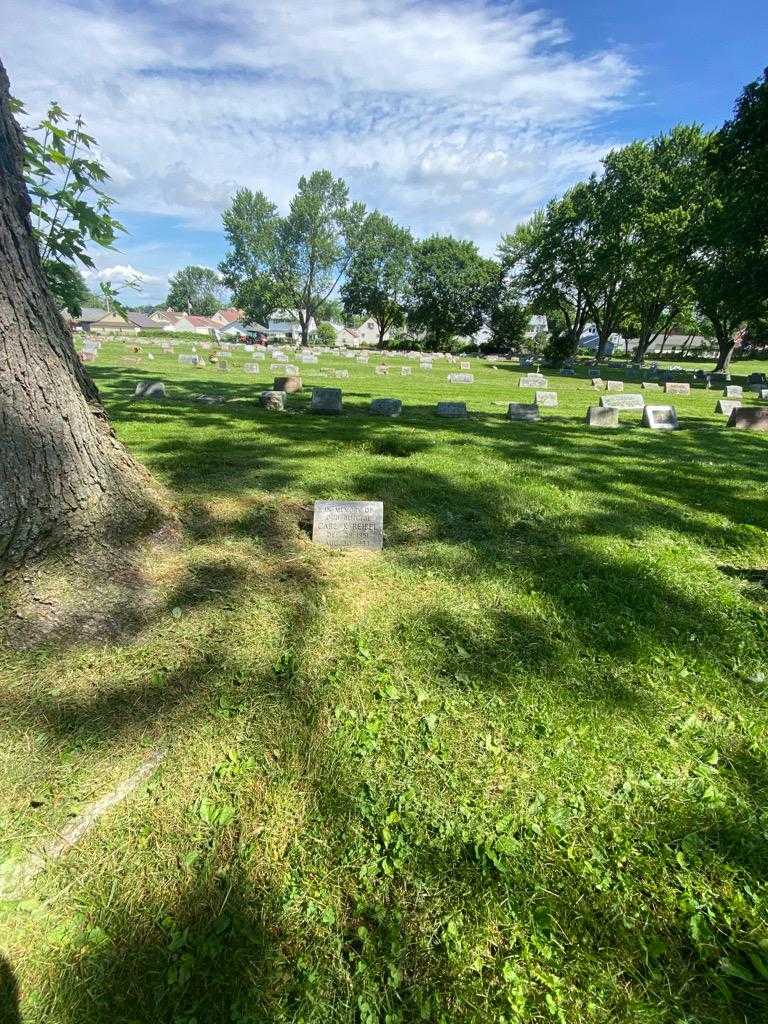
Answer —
283 325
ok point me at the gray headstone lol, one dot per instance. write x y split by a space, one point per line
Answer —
349 524
749 418
598 382
150 389
615 386
671 388
460 378
533 380
763 395
251 368
734 391
602 416
272 400
453 410
288 384
726 407
660 417
547 398
326 400
521 411
627 401
385 407
210 399
649 386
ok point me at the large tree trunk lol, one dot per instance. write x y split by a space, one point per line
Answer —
725 346
63 475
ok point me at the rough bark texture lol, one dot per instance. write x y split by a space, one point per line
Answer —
63 474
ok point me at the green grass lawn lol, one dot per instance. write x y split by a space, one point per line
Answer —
513 768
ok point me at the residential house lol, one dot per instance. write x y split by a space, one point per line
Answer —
162 317
93 320
228 316
250 330
283 325
142 321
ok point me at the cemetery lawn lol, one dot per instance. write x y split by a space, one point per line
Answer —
511 769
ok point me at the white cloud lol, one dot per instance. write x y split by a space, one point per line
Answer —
448 116
120 273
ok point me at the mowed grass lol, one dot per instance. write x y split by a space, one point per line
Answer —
513 768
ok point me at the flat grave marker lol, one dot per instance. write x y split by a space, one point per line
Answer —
326 400
385 407
349 524
461 378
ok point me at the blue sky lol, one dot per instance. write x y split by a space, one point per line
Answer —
448 115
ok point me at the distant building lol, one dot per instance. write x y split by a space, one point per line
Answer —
142 321
283 325
250 330
93 320
228 316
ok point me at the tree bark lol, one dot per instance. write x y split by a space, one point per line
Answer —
63 474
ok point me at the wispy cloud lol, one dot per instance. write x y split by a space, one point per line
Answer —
448 116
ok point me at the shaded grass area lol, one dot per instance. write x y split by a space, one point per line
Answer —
512 769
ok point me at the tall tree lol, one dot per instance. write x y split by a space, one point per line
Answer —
378 280
196 290
661 182
541 259
727 257
294 262
63 474
453 288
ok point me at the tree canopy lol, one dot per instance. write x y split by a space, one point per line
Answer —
196 290
294 262
379 278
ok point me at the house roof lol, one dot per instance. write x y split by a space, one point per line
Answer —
231 315
203 321
90 314
141 320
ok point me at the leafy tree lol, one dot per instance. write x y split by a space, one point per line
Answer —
198 290
541 256
378 280
293 262
727 251
326 333
508 322
661 182
70 209
452 289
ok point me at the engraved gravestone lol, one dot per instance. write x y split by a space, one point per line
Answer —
749 418
734 391
452 410
349 524
624 401
405 371
598 382
385 407
326 400
726 406
660 417
601 416
460 378
547 399
521 411
615 386
673 388
464 365
533 380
